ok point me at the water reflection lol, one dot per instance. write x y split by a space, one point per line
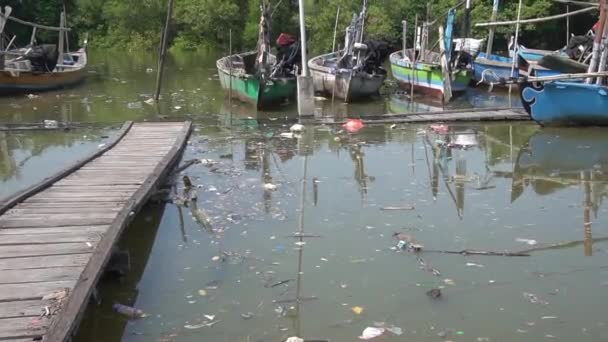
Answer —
555 159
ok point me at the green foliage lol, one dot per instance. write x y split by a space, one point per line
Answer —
137 24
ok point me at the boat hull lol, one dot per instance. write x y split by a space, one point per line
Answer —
343 84
249 88
492 69
426 78
566 103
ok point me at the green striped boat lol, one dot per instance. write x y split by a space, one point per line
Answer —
426 77
250 87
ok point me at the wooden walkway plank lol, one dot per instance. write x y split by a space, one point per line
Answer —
68 260
26 327
32 291
74 236
19 251
39 275
26 308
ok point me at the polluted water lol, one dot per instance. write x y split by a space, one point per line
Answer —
510 233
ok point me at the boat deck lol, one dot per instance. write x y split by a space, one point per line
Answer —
57 236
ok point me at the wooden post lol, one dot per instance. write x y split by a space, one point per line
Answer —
33 38
515 45
230 75
588 236
61 39
466 22
163 51
4 19
595 55
404 23
492 29
445 68
414 59
333 47
567 25
604 56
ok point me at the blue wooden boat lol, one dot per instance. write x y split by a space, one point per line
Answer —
566 103
491 69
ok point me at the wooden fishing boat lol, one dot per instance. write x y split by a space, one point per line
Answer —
38 68
238 76
347 84
427 76
258 76
349 74
18 75
566 103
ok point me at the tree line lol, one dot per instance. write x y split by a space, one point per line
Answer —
196 24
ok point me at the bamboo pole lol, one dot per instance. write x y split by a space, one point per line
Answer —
230 75
595 54
578 3
414 59
492 29
536 20
567 26
333 46
61 40
604 55
445 70
515 49
555 78
163 51
404 22
27 23
466 22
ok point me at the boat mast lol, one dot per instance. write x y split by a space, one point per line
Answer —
492 29
595 55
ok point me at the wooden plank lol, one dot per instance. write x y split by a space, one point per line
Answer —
53 230
63 237
26 308
63 325
75 205
59 210
20 251
52 222
38 275
25 263
25 327
32 291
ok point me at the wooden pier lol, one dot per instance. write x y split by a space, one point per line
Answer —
485 114
57 236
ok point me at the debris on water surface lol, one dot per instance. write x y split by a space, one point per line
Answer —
202 292
357 310
439 129
353 125
371 332
434 293
530 242
208 162
210 317
216 258
149 101
248 315
270 187
128 311
294 339
449 281
534 299
472 264
395 330
407 207
287 135
135 105
50 124
201 325
296 128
